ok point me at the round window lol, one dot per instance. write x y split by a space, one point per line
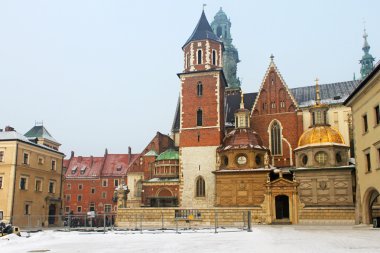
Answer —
338 157
321 158
258 159
304 159
241 160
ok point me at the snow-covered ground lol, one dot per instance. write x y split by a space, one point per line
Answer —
266 239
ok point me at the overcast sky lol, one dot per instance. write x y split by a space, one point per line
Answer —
102 74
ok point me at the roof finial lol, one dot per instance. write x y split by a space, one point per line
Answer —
241 100
203 7
317 92
271 57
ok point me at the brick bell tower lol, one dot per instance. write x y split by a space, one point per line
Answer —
201 115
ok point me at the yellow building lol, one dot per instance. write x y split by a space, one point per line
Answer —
365 102
30 177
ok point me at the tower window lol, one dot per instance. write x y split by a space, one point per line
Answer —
213 57
199 89
200 187
276 139
199 117
273 105
199 57
219 31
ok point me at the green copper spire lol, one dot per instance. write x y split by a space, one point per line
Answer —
222 28
367 59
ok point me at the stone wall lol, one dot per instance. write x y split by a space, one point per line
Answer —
134 218
327 215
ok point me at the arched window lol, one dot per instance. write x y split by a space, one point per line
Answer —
199 117
199 56
200 187
213 57
219 31
275 134
138 188
199 89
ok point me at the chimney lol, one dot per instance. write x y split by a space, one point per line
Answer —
129 154
9 129
106 152
91 161
72 155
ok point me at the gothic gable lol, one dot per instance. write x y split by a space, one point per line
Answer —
274 95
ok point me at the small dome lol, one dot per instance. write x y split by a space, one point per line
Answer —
169 154
320 135
242 138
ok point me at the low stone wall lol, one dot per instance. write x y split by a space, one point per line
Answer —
327 215
136 218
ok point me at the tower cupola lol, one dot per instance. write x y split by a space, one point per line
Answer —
367 59
242 115
319 110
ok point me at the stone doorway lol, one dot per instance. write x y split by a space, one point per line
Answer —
282 207
371 205
52 213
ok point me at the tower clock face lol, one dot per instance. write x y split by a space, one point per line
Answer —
242 160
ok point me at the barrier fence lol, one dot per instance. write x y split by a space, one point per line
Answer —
178 221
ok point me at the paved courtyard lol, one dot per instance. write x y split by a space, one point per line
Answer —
262 239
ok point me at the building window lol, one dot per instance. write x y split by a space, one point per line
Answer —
92 207
187 60
68 197
213 57
282 104
26 158
368 160
116 182
83 170
138 188
68 186
199 117
67 209
80 186
199 57
74 170
107 208
79 198
38 186
276 145
27 209
258 159
79 209
53 165
51 187
365 123
200 187
264 106
104 195
40 160
1 182
338 157
1 156
377 115
273 105
199 89
92 190
304 160
104 182
321 158
24 183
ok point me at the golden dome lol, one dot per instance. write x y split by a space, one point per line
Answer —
320 135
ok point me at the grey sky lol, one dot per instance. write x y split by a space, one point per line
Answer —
103 73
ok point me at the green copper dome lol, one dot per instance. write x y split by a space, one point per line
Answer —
169 154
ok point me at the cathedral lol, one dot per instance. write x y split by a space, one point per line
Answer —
284 153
